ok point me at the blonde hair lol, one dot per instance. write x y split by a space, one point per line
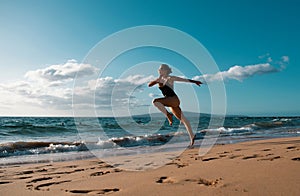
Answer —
165 67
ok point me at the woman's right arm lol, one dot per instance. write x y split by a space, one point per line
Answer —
152 83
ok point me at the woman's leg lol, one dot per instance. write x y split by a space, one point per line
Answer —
178 113
159 103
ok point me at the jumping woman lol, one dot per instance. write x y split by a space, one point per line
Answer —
166 85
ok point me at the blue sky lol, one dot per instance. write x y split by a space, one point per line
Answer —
36 35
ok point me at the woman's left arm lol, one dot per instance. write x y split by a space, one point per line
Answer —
179 79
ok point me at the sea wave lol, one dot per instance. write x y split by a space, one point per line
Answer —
31 136
35 147
230 130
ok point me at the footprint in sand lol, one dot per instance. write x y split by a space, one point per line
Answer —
117 170
238 149
178 164
165 179
270 158
71 166
251 157
99 173
23 177
296 159
39 179
270 154
223 154
291 147
25 172
5 182
267 149
31 171
96 192
208 182
66 172
210 159
205 182
42 166
234 156
43 186
106 166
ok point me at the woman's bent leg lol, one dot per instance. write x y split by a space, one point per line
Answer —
157 103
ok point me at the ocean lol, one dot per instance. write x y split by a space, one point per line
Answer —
47 139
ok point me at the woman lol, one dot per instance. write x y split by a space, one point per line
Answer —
166 85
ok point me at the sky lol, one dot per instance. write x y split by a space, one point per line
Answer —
44 47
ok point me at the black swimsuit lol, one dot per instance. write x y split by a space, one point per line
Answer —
167 91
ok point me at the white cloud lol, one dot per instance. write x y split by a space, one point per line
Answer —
285 59
152 95
23 92
119 92
58 74
107 94
46 89
238 73
51 89
264 56
269 60
136 79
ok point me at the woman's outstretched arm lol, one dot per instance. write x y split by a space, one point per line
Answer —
179 79
152 83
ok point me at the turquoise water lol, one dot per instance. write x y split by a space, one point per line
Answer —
37 139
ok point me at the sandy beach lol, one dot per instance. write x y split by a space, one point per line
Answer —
263 167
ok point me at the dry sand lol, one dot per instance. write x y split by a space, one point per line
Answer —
265 167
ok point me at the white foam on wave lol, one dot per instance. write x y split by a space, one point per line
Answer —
54 147
228 130
106 144
282 119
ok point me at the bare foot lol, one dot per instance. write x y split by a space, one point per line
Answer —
170 118
193 140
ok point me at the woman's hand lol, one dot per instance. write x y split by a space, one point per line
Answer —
198 83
